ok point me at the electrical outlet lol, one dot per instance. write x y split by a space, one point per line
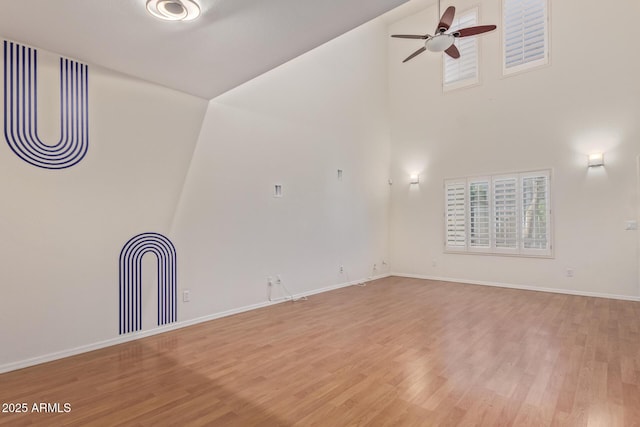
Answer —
186 296
569 272
341 269
375 267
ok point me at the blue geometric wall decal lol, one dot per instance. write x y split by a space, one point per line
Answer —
131 280
21 110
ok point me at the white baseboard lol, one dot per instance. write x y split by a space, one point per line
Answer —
162 329
523 287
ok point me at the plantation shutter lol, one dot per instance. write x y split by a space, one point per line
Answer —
479 214
507 214
525 34
455 203
464 70
535 221
505 211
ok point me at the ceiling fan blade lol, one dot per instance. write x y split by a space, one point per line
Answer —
453 52
414 54
446 20
411 36
472 31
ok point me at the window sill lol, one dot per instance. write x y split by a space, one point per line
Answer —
500 254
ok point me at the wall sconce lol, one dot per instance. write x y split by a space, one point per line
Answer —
414 178
596 159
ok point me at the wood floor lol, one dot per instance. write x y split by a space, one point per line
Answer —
399 352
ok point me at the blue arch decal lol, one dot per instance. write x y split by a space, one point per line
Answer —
131 280
21 110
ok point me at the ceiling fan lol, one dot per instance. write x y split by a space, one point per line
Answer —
441 41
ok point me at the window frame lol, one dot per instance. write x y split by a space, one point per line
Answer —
527 66
519 250
469 82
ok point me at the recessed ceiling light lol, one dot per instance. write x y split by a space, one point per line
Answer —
174 10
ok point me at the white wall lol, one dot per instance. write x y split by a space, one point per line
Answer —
61 232
587 99
202 174
294 126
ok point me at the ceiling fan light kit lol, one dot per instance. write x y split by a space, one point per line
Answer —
173 10
442 41
439 43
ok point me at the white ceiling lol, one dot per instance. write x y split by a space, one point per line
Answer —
232 41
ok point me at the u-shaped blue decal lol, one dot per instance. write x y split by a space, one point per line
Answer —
21 110
131 280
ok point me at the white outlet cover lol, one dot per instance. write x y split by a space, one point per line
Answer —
631 225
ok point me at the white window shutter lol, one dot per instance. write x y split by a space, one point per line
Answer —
525 34
505 213
455 202
479 214
535 218
464 70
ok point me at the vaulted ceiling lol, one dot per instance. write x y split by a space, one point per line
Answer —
232 41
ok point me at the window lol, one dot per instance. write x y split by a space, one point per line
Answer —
499 214
525 34
464 70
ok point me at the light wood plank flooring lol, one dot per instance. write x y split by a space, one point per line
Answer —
400 351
